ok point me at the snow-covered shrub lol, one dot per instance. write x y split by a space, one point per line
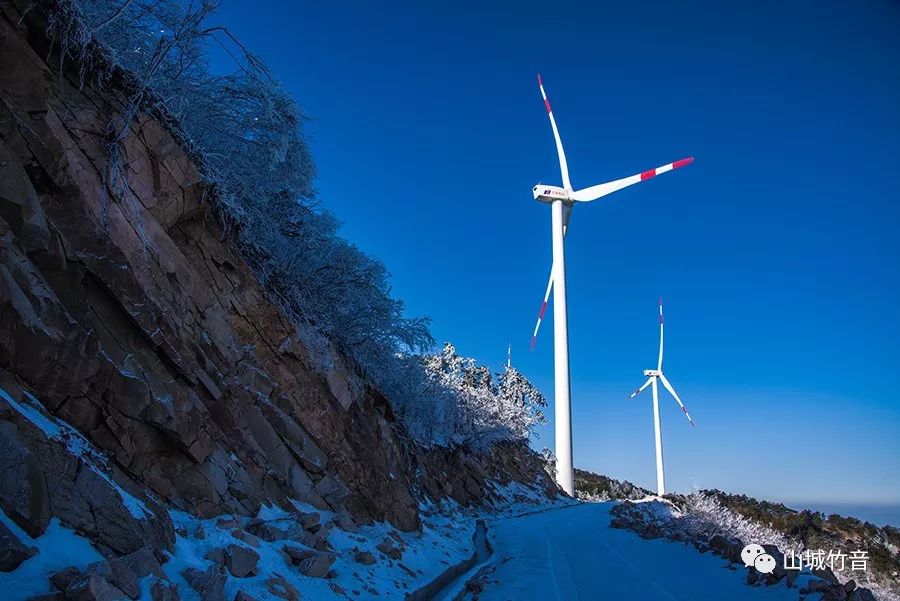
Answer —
703 516
697 518
462 403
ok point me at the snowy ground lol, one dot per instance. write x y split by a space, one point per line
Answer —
572 553
445 539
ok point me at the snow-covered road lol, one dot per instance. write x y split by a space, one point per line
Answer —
572 553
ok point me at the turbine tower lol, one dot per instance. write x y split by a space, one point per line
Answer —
561 201
653 375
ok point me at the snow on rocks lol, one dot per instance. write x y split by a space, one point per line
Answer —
45 462
57 430
57 548
292 562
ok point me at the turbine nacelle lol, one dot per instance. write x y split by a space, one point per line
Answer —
652 373
548 194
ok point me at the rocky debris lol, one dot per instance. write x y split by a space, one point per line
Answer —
834 591
122 576
243 596
729 548
92 586
12 550
364 557
320 541
641 518
100 580
281 588
317 566
143 563
309 521
241 561
297 554
209 584
346 523
61 580
245 537
216 555
394 551
164 591
227 523
267 531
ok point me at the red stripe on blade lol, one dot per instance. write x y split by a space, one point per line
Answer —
648 174
540 81
682 162
547 104
533 340
541 312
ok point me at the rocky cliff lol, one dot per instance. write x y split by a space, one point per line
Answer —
142 364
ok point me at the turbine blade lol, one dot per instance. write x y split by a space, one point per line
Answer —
659 364
600 190
540 317
671 390
566 216
563 165
641 389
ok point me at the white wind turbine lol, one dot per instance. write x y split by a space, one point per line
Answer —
653 375
562 200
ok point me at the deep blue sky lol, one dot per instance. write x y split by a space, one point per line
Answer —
776 251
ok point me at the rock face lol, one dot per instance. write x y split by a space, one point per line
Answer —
130 317
127 318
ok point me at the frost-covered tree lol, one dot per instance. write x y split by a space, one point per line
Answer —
463 403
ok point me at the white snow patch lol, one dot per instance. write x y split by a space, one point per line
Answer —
59 431
58 547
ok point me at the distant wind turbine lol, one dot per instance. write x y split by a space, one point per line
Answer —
562 200
653 375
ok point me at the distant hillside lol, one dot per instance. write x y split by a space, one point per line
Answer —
818 531
597 487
